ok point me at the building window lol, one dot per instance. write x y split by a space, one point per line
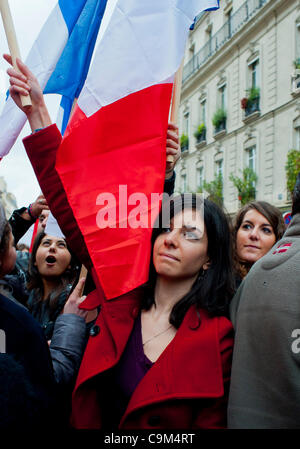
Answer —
229 23
186 119
297 42
200 177
219 168
254 74
251 158
297 138
183 183
208 35
203 112
222 97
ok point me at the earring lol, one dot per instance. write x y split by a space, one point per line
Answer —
201 275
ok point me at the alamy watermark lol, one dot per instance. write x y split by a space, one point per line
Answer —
296 343
138 210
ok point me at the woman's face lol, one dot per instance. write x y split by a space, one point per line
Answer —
181 251
255 237
9 258
52 257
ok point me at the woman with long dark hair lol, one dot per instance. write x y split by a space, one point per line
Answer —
160 356
52 273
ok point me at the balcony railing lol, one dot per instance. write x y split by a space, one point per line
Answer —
252 106
201 137
231 27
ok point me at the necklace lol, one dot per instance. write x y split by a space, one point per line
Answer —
154 336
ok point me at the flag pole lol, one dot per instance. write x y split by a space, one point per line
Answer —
83 271
176 101
12 43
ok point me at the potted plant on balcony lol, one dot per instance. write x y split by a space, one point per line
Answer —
297 63
245 185
219 120
251 103
200 133
184 142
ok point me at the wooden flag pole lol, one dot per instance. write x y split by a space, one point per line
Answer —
176 101
83 271
12 43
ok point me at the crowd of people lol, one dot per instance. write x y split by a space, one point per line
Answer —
210 341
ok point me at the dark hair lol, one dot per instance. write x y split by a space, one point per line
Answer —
4 244
35 282
274 217
296 197
214 288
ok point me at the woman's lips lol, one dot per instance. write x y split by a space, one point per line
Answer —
169 256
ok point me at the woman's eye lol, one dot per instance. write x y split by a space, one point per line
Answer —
189 235
267 230
246 226
62 245
45 243
165 230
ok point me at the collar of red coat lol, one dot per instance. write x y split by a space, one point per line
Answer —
190 366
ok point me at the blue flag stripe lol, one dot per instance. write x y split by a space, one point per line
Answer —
83 22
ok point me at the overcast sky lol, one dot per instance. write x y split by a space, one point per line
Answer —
29 17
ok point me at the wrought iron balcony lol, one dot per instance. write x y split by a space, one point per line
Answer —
252 106
229 29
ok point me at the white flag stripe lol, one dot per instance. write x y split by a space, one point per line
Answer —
41 61
148 42
52 227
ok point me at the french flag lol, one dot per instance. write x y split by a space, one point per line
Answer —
60 59
115 142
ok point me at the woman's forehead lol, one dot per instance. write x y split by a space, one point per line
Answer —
52 238
188 217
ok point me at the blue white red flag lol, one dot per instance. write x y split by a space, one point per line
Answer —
60 59
115 142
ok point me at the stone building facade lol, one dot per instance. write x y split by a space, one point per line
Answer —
247 47
8 200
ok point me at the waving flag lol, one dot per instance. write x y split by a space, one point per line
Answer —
115 143
60 59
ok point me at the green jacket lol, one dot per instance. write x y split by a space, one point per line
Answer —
265 382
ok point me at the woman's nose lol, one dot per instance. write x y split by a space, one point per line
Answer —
52 247
171 239
254 233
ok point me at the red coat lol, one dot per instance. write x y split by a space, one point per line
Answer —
186 388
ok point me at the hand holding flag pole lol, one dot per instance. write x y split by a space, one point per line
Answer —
12 43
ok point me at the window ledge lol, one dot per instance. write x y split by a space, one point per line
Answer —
220 134
251 117
200 144
295 92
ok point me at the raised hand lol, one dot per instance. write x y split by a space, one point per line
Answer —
25 83
75 299
173 148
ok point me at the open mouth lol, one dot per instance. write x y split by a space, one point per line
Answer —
50 259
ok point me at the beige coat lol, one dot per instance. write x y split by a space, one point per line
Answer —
265 382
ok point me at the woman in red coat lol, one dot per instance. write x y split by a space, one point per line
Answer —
160 356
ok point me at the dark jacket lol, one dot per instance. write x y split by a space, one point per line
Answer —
40 310
25 341
265 382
